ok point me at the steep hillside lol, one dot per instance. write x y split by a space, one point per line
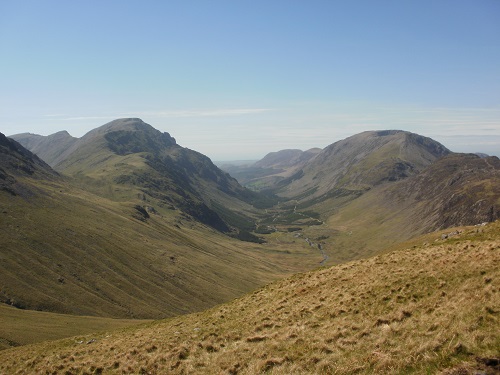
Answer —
49 148
320 186
64 249
430 308
132 157
458 189
354 165
375 189
16 161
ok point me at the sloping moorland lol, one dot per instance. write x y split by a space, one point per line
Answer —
431 306
68 250
458 189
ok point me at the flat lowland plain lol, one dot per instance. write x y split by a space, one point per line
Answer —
428 307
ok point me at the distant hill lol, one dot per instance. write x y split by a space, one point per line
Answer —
430 307
347 167
50 148
481 155
274 167
375 189
16 161
287 158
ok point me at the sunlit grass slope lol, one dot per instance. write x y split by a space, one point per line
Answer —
429 308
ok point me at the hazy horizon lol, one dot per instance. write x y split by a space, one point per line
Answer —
237 80
466 142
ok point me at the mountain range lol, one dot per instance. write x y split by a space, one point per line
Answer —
361 192
348 200
131 153
125 223
123 230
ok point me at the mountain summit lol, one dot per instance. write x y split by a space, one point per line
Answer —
131 135
360 162
134 156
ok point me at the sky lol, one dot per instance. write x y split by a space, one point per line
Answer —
235 80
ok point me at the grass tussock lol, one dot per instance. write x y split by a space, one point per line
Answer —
432 308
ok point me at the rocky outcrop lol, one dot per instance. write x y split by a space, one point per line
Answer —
459 189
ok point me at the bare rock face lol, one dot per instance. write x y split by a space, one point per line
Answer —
140 213
459 189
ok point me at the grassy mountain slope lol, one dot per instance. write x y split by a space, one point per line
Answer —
458 189
375 189
15 161
357 163
67 250
131 156
347 167
430 308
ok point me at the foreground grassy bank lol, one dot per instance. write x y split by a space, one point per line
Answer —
428 308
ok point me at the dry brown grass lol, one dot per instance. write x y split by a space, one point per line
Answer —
426 309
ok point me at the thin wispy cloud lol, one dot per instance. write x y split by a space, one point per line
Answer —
168 114
206 113
84 118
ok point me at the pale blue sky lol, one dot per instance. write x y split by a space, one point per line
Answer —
238 79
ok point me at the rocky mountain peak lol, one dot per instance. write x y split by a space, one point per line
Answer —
132 135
